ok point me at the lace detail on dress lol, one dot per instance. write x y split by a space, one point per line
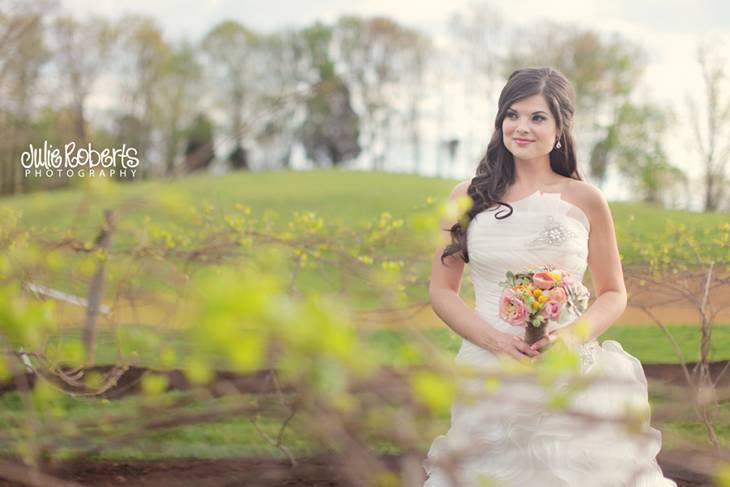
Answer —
588 352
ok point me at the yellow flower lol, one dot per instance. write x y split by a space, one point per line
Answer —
543 298
535 305
555 276
537 293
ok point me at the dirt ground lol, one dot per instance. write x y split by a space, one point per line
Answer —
261 381
675 303
312 471
325 471
259 472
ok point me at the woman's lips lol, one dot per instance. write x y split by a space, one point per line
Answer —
523 141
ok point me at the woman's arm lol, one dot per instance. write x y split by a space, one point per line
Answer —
604 264
444 288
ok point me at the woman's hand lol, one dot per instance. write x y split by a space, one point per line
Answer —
514 346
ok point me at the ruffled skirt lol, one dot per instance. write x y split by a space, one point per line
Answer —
510 437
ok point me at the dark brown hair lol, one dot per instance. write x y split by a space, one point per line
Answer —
496 170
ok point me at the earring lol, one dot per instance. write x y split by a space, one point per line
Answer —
558 146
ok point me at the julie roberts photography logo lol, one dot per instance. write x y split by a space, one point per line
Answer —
83 161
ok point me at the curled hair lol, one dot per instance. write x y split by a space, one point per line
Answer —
496 170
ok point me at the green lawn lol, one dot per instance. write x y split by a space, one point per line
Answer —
144 346
235 437
238 437
647 343
351 197
232 437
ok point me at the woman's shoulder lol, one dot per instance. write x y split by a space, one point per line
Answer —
579 192
584 190
585 196
461 189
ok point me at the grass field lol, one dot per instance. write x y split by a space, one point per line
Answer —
352 198
238 437
647 343
230 438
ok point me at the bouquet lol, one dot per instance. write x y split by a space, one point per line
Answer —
535 299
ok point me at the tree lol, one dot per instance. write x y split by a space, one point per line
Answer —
637 137
142 68
81 51
712 139
330 131
238 158
479 32
368 53
23 53
199 151
177 97
289 77
230 52
413 60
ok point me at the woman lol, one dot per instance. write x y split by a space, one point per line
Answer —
547 215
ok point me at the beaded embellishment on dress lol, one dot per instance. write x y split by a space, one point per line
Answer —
553 233
587 353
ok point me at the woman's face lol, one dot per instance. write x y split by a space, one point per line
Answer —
529 119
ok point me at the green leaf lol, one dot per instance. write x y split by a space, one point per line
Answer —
722 475
433 390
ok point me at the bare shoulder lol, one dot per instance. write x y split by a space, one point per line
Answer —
588 198
460 189
459 192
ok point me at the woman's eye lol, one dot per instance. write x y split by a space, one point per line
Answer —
538 117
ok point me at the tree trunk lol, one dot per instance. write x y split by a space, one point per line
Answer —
96 287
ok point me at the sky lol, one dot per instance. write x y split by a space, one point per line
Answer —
661 16
668 30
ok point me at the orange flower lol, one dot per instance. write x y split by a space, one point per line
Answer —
544 280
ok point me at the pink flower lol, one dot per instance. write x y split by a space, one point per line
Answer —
512 309
558 294
551 309
564 277
543 280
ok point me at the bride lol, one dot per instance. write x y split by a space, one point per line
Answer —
547 216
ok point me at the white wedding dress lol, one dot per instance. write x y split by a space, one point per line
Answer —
501 438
